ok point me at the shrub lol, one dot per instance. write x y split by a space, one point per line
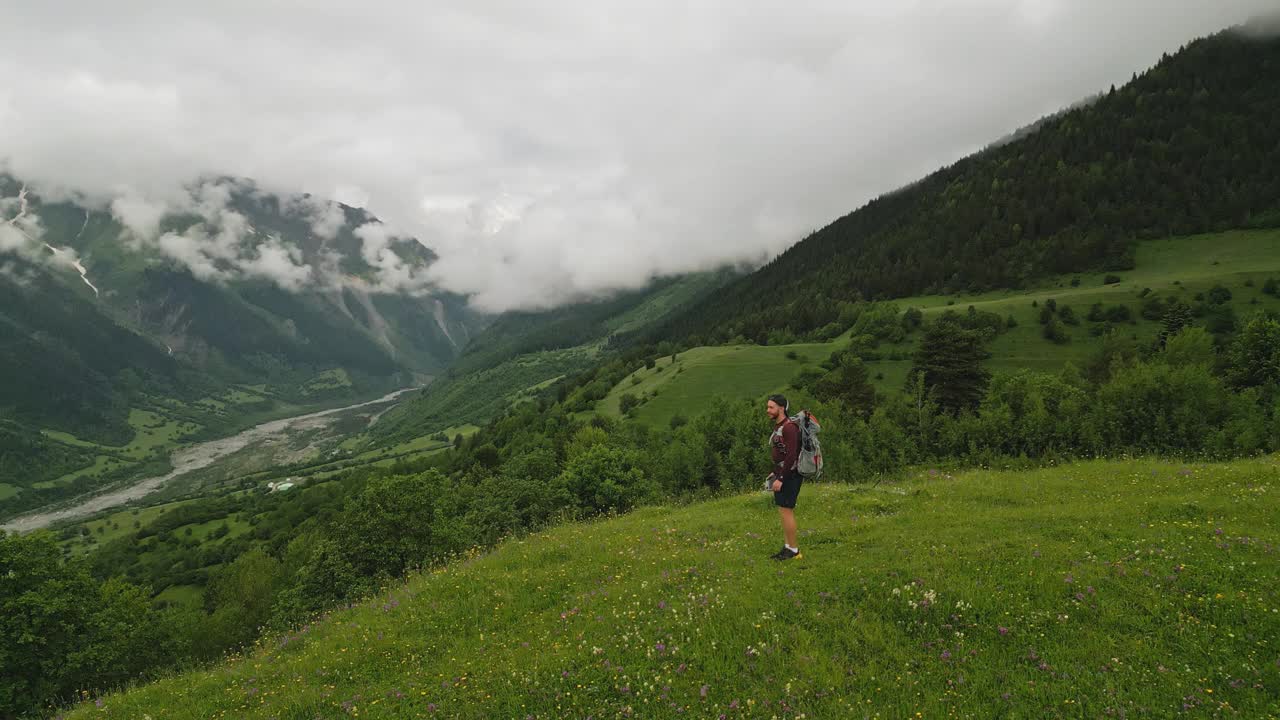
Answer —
627 403
1110 279
1118 314
1054 332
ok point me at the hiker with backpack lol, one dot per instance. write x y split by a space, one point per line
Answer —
795 455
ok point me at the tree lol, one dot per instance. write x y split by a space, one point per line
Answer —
604 478
241 594
1190 346
849 384
387 529
1176 316
627 403
1254 357
950 362
60 631
44 606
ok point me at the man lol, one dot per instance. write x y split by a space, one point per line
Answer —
784 481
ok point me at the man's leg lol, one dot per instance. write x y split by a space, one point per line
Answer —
788 526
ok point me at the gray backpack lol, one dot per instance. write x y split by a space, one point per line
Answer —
809 465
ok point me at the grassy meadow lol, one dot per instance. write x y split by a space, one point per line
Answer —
1179 268
1136 588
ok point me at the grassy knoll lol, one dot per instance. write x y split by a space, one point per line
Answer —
1181 268
700 374
1117 588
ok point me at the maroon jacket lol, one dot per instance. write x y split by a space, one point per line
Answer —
786 449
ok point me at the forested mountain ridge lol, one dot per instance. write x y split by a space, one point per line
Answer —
1189 146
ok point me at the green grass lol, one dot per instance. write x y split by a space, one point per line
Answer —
153 432
100 464
327 380
191 596
1088 590
700 374
237 396
7 491
1175 267
69 439
119 524
201 531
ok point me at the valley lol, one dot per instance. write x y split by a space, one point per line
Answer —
201 456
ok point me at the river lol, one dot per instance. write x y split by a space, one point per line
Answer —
184 460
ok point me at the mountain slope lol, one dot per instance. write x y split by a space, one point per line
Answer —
1188 147
1094 589
231 306
522 353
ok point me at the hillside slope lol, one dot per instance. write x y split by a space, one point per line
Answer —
1184 270
1188 147
522 353
1123 589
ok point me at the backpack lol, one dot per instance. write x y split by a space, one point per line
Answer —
809 464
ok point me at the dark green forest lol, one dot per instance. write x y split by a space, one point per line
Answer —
1190 146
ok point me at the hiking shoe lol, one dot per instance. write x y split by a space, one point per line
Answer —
789 554
781 554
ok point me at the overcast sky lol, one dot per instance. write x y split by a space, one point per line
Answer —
546 150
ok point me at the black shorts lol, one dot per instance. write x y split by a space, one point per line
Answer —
786 497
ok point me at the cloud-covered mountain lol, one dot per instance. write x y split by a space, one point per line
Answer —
223 283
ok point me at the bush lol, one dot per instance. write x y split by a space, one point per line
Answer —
1219 295
1271 287
1110 279
1055 333
1153 308
1118 314
627 403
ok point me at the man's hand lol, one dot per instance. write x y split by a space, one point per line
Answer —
777 485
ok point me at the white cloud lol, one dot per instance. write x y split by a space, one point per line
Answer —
553 149
278 262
